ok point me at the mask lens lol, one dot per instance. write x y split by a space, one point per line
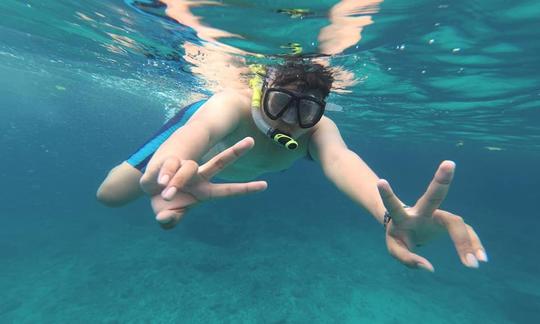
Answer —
289 116
310 112
276 102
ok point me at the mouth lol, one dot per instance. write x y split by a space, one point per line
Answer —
293 130
284 128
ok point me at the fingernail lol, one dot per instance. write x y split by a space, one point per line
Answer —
162 220
169 193
482 256
471 260
425 267
164 179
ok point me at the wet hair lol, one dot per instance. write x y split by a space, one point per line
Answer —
301 76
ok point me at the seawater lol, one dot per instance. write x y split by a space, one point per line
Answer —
300 252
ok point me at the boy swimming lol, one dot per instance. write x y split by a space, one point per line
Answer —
279 119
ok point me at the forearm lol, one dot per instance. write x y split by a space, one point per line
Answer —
189 142
352 176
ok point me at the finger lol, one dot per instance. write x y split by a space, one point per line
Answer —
399 250
148 181
437 189
457 229
187 170
236 189
391 202
167 171
168 218
225 158
480 252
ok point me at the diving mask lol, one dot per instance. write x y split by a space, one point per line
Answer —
279 103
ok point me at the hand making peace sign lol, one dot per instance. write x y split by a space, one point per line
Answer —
413 226
184 183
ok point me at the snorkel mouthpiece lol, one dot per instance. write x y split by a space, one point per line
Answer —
284 140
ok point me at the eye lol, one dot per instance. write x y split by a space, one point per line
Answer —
276 102
309 110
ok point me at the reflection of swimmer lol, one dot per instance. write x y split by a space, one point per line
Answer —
221 66
347 20
245 133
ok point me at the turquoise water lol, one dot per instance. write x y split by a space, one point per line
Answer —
83 84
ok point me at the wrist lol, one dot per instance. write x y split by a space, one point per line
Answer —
387 218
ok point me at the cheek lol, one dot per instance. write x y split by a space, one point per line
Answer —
272 123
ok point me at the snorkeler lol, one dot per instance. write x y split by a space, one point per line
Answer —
279 119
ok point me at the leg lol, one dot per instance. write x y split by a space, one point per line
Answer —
121 186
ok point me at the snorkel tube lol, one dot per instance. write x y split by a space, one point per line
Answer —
256 84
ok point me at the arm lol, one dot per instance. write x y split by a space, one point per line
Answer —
345 169
218 117
409 227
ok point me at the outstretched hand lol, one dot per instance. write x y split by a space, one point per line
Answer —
414 226
182 184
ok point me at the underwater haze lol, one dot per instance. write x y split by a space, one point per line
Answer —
84 83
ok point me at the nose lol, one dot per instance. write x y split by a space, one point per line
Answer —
290 116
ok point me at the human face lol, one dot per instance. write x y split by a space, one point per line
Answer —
300 109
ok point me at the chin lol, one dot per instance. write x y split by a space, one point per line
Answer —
291 129
297 132
303 131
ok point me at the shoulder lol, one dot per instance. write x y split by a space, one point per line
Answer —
322 129
325 126
227 104
220 114
325 139
230 99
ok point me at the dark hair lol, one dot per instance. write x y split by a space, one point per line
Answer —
303 76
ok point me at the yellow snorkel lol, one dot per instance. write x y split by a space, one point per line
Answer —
256 84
